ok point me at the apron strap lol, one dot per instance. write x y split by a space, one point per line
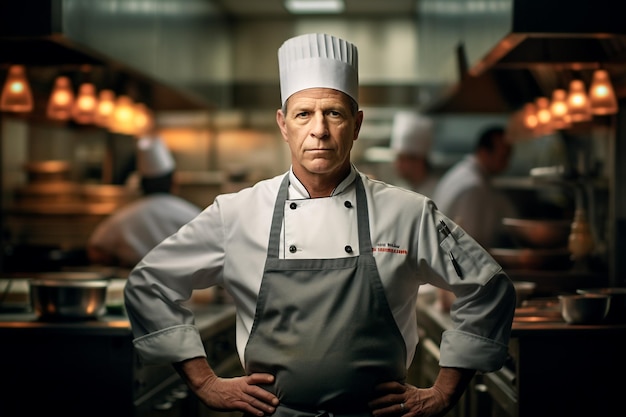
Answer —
277 219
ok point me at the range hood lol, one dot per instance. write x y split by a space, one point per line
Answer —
115 44
516 50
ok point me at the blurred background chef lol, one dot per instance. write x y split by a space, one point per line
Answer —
127 235
411 141
465 193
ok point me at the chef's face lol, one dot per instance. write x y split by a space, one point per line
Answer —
320 126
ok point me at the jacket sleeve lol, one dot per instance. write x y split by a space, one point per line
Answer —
192 258
485 299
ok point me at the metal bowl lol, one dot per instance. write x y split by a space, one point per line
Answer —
617 307
68 299
538 233
532 259
584 308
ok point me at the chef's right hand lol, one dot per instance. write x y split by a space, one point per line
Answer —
241 393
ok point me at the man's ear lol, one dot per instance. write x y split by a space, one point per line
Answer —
281 122
357 124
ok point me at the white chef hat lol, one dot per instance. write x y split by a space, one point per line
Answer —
411 133
318 60
153 157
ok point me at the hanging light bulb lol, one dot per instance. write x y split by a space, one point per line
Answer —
559 110
578 102
84 108
530 116
142 119
61 99
544 117
601 95
16 93
123 116
106 106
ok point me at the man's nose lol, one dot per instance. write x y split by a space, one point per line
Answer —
319 127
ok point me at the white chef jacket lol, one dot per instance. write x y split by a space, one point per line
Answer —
466 195
227 245
136 228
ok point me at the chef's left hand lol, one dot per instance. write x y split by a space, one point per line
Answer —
404 400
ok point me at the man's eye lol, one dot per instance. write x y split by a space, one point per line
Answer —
334 113
302 114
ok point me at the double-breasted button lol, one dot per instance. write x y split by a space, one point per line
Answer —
293 206
292 248
347 204
348 249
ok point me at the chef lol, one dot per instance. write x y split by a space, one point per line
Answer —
128 234
411 141
324 266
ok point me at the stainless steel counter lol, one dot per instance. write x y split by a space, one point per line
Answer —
550 363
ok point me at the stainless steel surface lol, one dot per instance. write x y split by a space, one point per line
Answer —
68 299
538 233
584 308
617 304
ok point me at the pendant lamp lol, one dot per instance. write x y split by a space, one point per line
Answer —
544 117
559 110
578 102
106 106
530 116
142 119
61 99
123 116
16 93
601 95
85 105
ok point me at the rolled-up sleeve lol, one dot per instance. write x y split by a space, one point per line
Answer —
164 279
484 306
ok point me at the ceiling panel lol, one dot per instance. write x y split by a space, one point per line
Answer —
275 8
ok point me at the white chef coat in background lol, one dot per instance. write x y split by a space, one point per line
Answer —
227 245
132 231
466 195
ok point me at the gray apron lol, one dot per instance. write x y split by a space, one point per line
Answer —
323 327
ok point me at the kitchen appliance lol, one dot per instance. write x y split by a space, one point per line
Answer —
68 299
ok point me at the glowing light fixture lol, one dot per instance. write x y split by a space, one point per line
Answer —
61 99
601 95
123 116
578 102
16 93
142 119
530 116
559 109
314 6
106 106
86 103
544 117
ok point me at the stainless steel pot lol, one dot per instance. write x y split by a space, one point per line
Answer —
68 299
